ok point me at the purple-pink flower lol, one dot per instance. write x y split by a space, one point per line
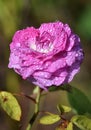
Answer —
49 55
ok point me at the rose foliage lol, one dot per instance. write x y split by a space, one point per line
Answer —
48 55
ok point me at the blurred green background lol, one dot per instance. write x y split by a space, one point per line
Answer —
18 14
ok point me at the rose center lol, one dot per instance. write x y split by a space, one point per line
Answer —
44 43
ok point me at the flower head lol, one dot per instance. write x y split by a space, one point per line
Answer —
49 55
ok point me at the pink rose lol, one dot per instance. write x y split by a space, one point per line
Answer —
49 55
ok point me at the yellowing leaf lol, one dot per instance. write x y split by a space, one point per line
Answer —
63 109
49 119
10 105
82 122
70 126
58 128
28 127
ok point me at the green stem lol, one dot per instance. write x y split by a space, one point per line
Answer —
37 102
37 91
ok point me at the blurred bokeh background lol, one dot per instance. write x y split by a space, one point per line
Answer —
18 14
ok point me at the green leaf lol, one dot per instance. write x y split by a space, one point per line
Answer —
63 109
49 119
65 87
10 105
79 101
82 122
70 126
53 88
28 127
